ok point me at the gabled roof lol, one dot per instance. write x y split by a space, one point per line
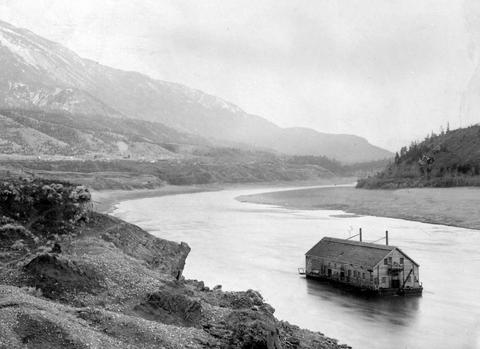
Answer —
351 252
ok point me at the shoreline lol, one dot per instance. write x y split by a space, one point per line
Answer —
105 200
453 207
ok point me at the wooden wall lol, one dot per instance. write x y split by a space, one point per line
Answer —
360 276
407 265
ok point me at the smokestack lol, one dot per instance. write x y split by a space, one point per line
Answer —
360 234
386 237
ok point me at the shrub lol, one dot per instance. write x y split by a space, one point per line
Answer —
18 245
43 205
13 235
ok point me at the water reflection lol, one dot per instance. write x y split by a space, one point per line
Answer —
396 310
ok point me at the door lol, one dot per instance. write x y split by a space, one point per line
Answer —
395 283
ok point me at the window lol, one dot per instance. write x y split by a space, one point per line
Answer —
384 280
390 260
349 273
385 261
363 276
409 279
401 260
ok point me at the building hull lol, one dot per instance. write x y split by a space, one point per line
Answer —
408 291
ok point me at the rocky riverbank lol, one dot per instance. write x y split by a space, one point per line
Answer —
104 283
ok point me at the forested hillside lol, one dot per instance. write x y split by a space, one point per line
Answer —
451 158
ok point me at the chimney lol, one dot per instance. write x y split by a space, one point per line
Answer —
360 234
386 237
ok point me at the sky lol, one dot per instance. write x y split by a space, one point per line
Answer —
390 71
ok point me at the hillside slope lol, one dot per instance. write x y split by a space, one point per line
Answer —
39 74
30 132
105 153
449 159
72 278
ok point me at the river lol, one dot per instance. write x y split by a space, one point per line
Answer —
244 245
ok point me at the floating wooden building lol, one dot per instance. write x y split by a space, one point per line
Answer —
370 267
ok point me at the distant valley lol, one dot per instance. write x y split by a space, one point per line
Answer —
67 118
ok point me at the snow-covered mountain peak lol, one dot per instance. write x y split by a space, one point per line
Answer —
34 54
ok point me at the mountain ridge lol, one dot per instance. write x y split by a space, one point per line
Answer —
39 73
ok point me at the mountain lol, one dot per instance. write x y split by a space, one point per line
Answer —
40 74
451 158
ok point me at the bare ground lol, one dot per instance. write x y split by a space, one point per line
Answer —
105 200
458 206
109 284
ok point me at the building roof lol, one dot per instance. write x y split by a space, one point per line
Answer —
352 252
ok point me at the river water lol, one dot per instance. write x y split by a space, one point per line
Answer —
244 245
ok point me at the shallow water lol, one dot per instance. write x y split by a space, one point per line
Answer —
244 245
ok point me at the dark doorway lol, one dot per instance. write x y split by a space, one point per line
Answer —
395 283
329 272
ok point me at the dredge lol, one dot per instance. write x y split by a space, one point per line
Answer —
362 266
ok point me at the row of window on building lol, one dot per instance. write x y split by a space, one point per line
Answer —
357 274
388 261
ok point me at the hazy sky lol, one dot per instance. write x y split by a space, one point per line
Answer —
391 71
